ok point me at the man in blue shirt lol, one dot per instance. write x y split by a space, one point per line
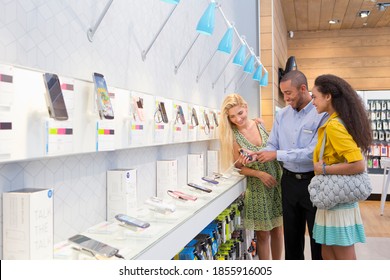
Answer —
292 141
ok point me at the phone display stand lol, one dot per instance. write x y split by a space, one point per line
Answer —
59 137
160 206
6 87
105 135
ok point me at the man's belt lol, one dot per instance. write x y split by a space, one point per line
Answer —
299 176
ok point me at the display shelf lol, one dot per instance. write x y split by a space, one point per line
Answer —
168 233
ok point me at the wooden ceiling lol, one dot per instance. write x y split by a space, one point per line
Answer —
312 15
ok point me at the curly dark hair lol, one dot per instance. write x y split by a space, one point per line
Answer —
349 106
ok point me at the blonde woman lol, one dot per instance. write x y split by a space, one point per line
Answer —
263 201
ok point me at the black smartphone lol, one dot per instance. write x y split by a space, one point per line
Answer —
194 118
215 119
131 221
102 96
206 119
54 97
245 154
161 108
93 246
199 187
181 114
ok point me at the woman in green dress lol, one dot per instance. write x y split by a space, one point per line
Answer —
263 200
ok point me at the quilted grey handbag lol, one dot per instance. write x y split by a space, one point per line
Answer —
326 191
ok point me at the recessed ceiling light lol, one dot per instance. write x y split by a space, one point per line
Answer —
363 14
334 21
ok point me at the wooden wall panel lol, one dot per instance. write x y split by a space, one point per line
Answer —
361 56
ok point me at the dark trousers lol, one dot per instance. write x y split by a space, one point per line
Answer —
297 212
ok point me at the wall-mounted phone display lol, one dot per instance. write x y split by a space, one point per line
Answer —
138 109
102 96
180 114
161 113
54 97
215 118
194 117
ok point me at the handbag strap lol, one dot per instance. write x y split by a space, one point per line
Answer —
324 139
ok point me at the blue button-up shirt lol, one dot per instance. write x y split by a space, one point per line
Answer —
294 136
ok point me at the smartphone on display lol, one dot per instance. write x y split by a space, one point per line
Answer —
199 187
206 119
54 97
210 180
215 119
131 221
93 246
139 106
194 118
181 114
181 195
161 108
245 154
102 97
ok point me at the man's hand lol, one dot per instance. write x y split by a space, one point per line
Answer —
265 156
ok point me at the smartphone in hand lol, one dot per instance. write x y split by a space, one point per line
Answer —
245 154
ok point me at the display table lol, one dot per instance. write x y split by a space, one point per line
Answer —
168 233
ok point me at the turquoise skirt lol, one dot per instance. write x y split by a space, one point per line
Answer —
341 225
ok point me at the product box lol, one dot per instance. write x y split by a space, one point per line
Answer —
28 224
121 192
166 176
195 168
212 162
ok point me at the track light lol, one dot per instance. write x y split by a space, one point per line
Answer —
382 6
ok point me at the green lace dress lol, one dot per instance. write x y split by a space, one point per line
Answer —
262 205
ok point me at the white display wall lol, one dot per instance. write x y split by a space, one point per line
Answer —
51 36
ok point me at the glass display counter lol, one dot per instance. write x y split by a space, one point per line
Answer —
168 233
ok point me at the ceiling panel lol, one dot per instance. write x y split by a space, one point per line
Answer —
309 15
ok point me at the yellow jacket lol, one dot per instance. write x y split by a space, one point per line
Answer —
339 147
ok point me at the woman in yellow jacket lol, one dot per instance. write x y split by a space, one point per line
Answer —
340 227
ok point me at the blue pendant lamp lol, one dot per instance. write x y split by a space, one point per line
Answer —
207 21
239 59
171 1
249 66
258 73
264 80
205 26
226 43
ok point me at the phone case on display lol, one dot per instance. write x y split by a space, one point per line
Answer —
102 96
54 97
93 246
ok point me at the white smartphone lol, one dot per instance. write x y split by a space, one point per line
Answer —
54 97
93 246
131 221
103 100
